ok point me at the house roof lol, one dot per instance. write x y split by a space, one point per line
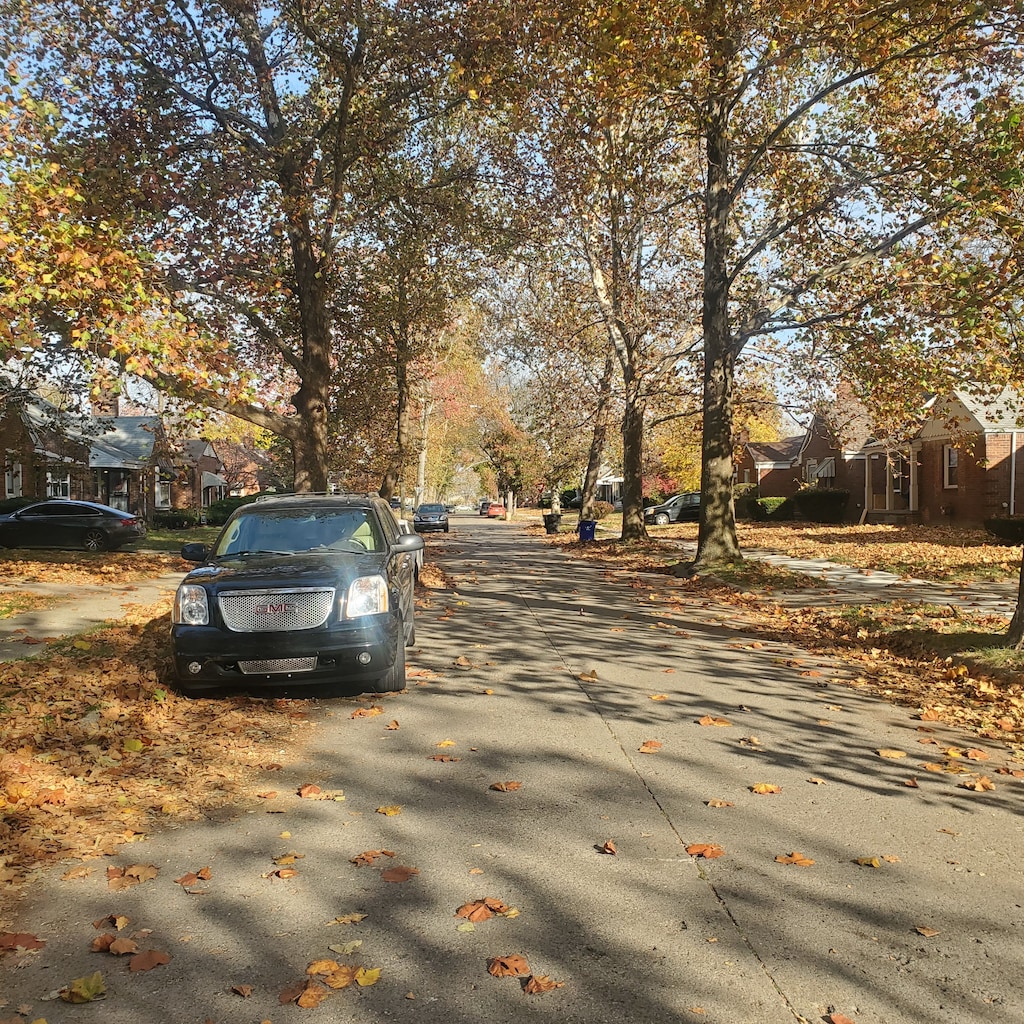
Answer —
1001 411
786 450
127 444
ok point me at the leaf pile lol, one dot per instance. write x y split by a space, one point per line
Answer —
72 568
98 750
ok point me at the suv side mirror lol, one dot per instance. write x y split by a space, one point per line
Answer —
195 552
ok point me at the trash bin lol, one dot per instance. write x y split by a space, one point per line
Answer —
551 522
587 528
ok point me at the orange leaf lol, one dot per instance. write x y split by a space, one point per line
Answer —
506 787
323 967
719 803
840 1018
512 966
370 712
20 940
979 785
101 943
707 850
650 746
538 983
976 755
342 977
393 725
399 873
481 910
795 858
148 960
928 933
444 758
608 847
242 990
711 720
368 857
121 946
312 995
929 715
765 788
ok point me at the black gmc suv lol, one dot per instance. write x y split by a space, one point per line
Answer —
298 592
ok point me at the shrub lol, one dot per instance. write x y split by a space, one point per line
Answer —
822 504
1008 529
219 512
600 509
743 496
772 508
175 518
13 504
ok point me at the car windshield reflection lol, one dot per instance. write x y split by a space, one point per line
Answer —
350 531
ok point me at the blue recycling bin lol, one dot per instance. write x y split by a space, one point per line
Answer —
587 528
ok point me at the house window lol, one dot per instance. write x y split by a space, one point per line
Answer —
12 478
950 465
811 471
58 486
162 495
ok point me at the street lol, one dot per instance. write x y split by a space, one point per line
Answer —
588 688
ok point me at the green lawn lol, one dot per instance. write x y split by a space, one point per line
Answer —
172 540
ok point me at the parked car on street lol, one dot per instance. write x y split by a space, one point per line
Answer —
677 509
495 510
298 590
57 523
429 518
484 506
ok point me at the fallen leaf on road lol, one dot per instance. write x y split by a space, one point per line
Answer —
482 909
85 990
712 720
242 990
203 874
795 858
117 921
976 755
309 791
444 758
817 781
719 803
390 811
588 677
134 874
368 857
868 862
928 933
706 850
399 873
765 788
979 785
538 983
659 696
20 940
839 1018
393 725
349 918
312 995
512 966
607 847
890 753
506 787
119 947
366 976
148 960
446 743
370 712
650 746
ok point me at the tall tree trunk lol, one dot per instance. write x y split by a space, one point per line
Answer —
1015 634
632 466
602 415
716 538
312 400
399 455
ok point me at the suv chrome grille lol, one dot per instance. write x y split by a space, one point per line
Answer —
252 668
272 611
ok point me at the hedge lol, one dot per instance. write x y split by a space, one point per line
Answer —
219 512
175 518
1008 529
822 504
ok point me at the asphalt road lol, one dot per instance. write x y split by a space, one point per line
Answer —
540 669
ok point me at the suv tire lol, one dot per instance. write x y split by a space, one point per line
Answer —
394 679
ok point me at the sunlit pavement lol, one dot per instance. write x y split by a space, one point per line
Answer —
553 672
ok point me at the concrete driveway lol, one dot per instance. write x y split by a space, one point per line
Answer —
554 673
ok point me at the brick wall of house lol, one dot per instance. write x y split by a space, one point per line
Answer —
1001 450
968 502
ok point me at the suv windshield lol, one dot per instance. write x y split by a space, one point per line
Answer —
289 531
431 509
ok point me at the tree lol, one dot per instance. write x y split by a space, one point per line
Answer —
252 131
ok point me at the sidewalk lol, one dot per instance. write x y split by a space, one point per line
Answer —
76 608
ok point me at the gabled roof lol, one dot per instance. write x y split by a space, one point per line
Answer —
974 412
127 444
784 451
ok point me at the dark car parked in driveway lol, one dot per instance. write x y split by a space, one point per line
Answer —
70 524
677 509
298 591
429 518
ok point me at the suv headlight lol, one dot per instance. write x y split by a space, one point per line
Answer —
367 595
191 607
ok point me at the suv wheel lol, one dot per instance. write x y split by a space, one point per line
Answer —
661 519
394 679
